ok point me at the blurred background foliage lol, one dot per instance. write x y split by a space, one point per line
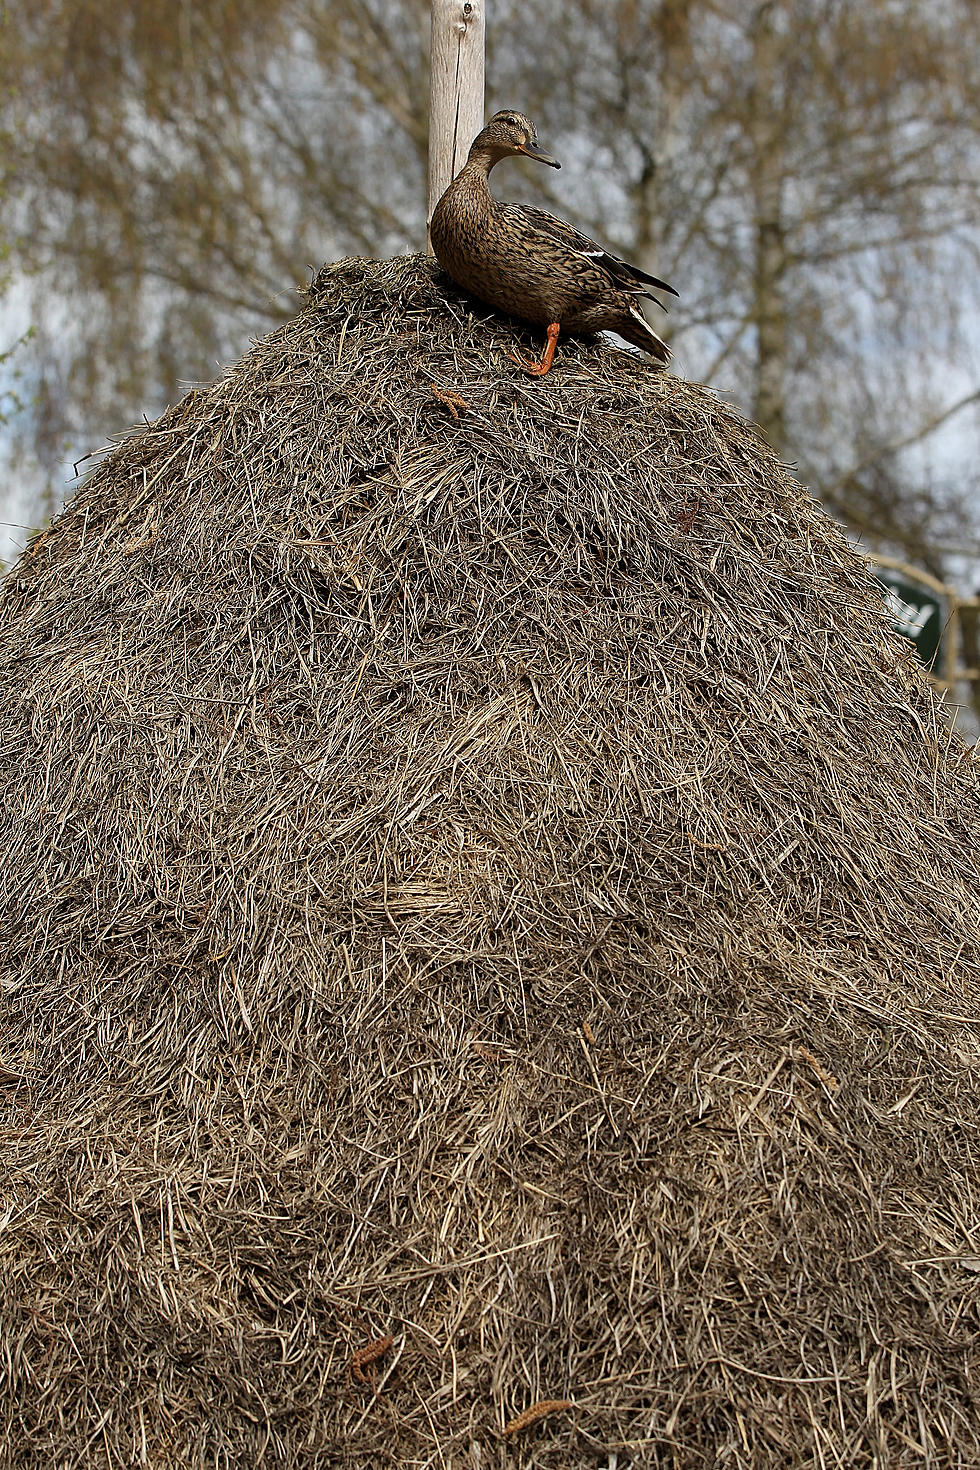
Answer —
806 172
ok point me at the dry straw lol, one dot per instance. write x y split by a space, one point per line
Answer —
486 903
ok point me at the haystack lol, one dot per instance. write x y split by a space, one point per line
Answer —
490 922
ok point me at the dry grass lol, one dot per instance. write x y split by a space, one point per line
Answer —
479 874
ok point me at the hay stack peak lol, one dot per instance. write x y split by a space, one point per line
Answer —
478 874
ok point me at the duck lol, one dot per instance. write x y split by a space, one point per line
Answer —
531 264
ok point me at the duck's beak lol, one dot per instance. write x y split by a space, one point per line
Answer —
533 151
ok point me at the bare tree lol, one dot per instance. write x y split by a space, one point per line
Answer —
808 173
805 171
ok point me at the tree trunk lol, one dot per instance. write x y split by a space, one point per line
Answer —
654 186
767 179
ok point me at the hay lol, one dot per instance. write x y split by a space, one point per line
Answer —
490 963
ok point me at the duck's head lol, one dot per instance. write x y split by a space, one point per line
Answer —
511 132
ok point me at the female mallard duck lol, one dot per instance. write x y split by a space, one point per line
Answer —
531 264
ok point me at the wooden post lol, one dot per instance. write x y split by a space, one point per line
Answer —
455 90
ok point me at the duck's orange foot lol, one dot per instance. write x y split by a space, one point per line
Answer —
538 369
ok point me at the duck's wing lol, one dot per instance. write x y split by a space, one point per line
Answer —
529 222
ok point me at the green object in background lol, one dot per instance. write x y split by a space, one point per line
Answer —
914 610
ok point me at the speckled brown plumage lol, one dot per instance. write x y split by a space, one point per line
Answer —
528 262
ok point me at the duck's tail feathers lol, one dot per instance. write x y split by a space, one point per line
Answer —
649 296
639 275
639 333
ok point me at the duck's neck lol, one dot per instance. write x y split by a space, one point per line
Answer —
479 164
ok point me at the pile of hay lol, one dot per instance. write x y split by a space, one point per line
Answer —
478 872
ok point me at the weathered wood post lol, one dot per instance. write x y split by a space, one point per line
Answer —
455 90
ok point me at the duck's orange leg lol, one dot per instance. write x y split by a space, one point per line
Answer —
538 369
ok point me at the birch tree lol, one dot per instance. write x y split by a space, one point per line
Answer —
804 171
